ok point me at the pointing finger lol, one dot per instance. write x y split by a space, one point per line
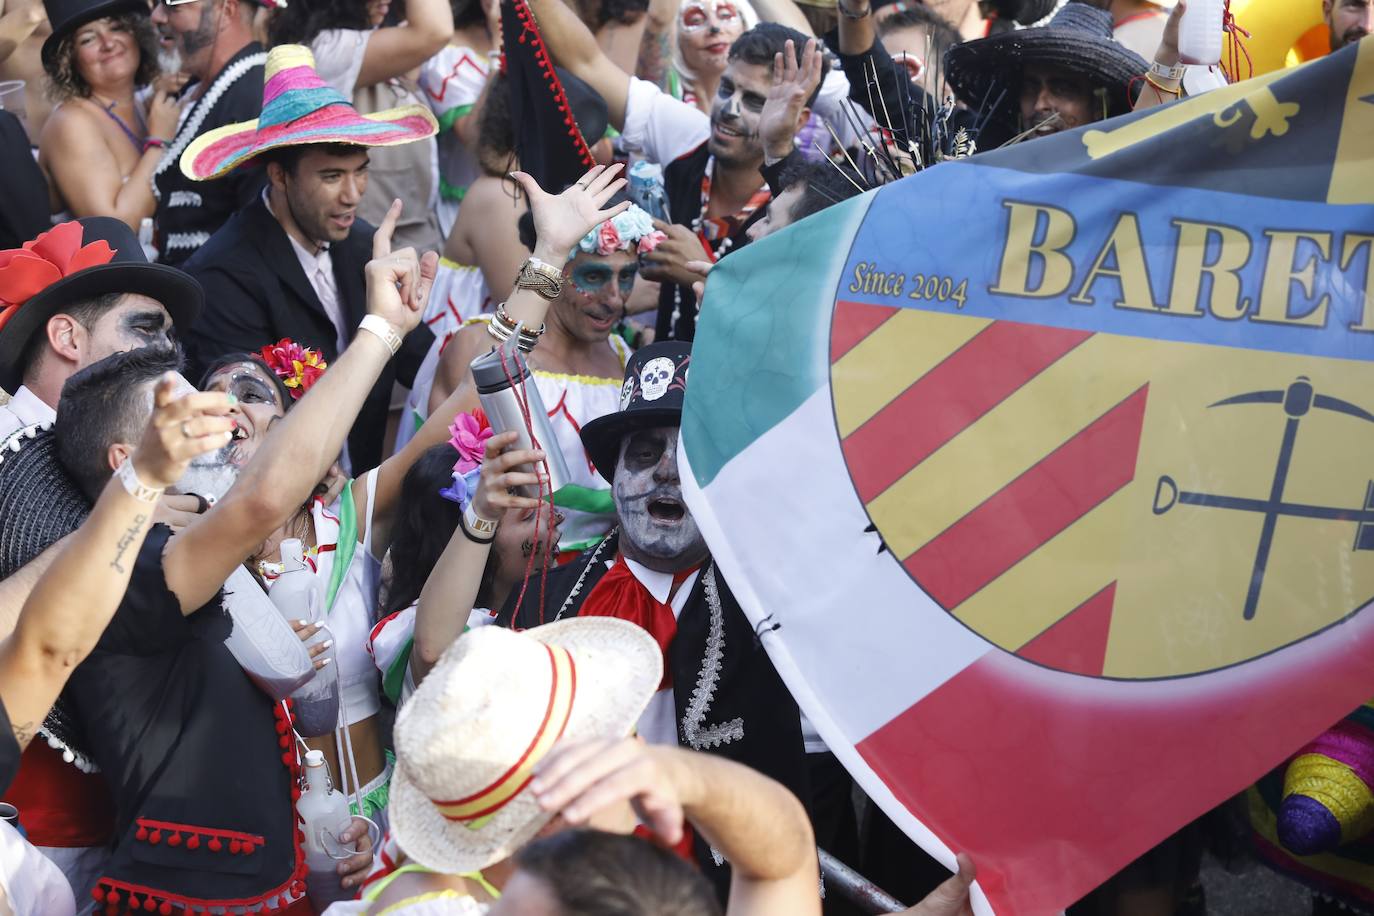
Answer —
381 241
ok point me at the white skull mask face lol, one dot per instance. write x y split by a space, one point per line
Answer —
655 377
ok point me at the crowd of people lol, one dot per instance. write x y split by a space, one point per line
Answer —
255 259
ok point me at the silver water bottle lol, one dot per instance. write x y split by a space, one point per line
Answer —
493 374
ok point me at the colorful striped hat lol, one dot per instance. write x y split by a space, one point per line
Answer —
298 109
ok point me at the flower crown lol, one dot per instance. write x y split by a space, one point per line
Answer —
298 367
468 434
631 229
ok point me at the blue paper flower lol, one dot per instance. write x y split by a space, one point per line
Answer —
462 488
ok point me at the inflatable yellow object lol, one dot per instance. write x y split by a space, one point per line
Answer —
1283 33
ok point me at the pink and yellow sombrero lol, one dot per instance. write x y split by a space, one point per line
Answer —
299 108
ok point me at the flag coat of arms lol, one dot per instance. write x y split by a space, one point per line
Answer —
1048 475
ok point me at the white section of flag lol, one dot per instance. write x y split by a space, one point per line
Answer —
798 564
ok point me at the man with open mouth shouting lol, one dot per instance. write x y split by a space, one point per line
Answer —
720 693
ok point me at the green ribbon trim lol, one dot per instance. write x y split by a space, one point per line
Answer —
395 677
450 117
451 191
585 499
344 548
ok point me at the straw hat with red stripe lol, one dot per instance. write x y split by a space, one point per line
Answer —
299 108
497 702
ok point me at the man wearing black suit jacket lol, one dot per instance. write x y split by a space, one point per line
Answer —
290 264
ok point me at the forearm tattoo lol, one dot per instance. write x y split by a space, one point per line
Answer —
127 539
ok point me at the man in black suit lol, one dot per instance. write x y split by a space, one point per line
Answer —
290 264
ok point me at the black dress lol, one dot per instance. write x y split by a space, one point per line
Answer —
199 761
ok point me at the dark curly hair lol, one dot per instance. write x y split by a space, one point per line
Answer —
65 82
303 20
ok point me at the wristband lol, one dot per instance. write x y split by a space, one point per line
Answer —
540 277
1163 88
136 488
1172 74
154 143
478 528
376 324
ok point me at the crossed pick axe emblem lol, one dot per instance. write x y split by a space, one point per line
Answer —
1297 400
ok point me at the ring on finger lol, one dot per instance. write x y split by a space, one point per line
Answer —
186 428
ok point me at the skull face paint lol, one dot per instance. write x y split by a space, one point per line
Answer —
655 527
594 301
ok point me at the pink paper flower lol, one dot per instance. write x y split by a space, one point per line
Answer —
468 435
607 238
650 241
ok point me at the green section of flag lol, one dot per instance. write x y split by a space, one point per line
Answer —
763 337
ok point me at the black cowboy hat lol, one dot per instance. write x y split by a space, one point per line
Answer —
655 382
126 270
1078 39
67 16
556 116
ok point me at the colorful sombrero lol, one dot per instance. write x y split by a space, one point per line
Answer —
299 108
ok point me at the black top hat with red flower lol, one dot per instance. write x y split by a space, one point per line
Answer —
75 262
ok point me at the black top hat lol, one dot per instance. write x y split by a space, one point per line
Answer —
105 257
1078 39
655 383
67 16
555 115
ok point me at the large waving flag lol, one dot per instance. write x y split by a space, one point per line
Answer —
1048 475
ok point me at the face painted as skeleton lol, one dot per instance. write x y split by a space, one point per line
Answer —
655 527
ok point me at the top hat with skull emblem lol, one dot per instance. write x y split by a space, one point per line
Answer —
655 383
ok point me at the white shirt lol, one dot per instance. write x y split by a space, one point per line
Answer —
658 724
24 409
660 126
319 271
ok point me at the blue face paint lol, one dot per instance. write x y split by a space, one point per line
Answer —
592 278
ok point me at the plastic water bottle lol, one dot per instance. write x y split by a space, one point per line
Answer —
324 815
1199 32
296 595
646 188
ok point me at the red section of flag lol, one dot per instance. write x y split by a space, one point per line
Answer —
853 322
936 407
1054 782
1077 642
1043 501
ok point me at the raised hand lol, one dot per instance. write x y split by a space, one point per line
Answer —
671 259
398 282
560 220
577 780
180 429
499 477
788 97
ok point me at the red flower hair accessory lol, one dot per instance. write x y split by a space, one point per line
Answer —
54 255
298 367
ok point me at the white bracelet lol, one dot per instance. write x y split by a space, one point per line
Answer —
481 528
1172 74
136 488
376 324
